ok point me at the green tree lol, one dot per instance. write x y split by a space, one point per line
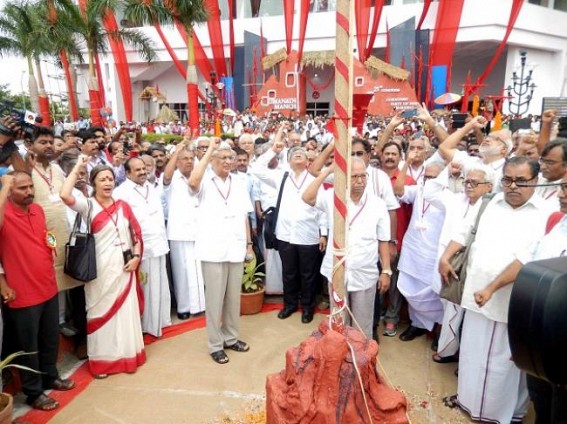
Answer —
168 12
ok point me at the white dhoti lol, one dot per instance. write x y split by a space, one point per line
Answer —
187 277
491 388
425 307
157 299
449 339
274 282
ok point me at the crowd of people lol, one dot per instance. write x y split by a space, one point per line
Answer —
175 223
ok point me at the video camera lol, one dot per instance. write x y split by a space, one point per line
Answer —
26 119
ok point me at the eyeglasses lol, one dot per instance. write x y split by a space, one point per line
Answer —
362 177
225 158
360 153
203 148
475 184
549 162
520 182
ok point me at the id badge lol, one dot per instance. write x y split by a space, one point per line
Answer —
421 225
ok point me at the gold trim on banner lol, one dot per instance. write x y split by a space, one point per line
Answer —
273 59
376 67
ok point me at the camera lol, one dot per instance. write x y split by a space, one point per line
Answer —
26 119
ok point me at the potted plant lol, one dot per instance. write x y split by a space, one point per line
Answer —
252 295
6 400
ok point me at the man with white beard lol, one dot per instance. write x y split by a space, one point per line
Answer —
493 150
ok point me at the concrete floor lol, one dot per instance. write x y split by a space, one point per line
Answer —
181 384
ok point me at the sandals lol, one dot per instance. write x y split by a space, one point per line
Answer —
62 384
239 346
220 357
451 401
44 403
445 359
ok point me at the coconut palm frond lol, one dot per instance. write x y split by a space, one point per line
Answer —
137 39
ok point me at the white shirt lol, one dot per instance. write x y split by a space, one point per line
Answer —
182 209
223 208
379 183
369 223
502 232
146 203
552 245
470 161
298 223
549 194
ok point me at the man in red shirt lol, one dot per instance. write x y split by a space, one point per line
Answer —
391 157
30 292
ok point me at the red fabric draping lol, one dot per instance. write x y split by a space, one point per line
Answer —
100 92
192 91
288 18
426 5
324 86
215 35
231 34
178 65
304 15
514 13
201 59
120 62
262 48
44 111
446 28
362 20
378 7
387 52
94 99
74 111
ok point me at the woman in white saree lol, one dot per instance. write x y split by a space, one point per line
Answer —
113 300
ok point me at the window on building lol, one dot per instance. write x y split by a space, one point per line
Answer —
560 5
317 109
271 8
180 109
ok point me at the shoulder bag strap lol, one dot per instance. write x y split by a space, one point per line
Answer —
277 211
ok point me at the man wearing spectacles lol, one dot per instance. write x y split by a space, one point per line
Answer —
457 207
493 150
553 164
490 387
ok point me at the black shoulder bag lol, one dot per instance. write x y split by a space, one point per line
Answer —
80 251
270 216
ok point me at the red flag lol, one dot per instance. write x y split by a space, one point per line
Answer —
262 47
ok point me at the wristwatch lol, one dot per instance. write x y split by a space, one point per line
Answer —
135 255
394 241
388 272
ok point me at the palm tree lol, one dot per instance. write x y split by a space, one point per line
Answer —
87 23
184 12
18 27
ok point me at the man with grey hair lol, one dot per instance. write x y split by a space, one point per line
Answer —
300 230
457 206
222 243
493 150
246 143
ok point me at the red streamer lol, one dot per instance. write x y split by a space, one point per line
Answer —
466 93
325 85
101 93
94 98
362 20
73 110
446 28
215 34
44 111
192 93
387 52
304 15
426 5
120 63
262 47
378 7
288 18
180 68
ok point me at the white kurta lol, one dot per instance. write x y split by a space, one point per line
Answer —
146 203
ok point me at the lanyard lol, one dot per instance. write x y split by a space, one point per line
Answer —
227 193
44 177
424 208
358 212
141 194
113 219
418 175
302 182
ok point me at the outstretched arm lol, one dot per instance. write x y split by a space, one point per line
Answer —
310 194
198 173
66 192
448 148
547 120
7 184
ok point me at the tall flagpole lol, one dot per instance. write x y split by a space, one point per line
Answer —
343 120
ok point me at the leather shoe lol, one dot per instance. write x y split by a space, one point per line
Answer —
306 317
411 333
286 312
183 315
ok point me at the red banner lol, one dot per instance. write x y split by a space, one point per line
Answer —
445 34
180 68
426 5
120 62
304 14
101 93
215 34
378 6
288 18
231 34
362 20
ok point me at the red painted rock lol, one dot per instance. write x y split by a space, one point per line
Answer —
320 385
